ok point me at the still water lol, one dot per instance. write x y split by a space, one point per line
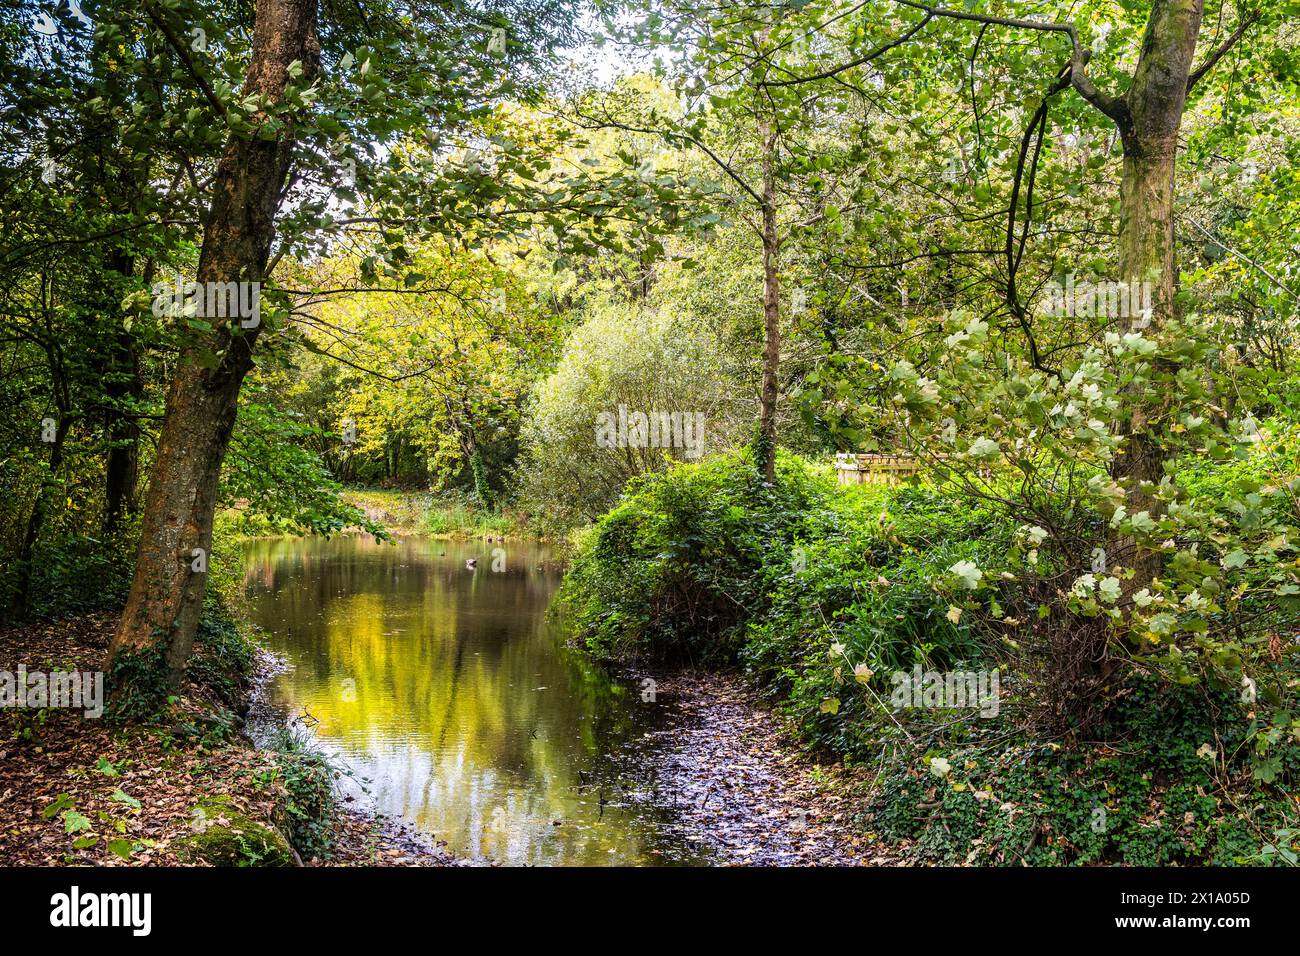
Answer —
453 700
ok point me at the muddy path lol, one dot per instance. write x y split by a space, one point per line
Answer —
726 780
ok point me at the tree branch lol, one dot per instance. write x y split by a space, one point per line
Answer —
1113 106
685 137
879 51
1227 45
178 45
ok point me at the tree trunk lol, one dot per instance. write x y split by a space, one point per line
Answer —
120 368
122 469
1148 126
162 611
21 602
766 444
122 383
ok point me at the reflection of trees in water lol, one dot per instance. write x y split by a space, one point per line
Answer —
471 719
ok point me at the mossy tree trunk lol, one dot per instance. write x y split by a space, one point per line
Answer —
1148 117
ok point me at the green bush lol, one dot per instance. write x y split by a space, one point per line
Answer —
705 562
223 655
823 593
630 355
73 574
861 579
675 570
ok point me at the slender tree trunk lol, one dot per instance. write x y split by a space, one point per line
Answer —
21 603
120 371
122 469
1149 124
121 384
766 444
162 611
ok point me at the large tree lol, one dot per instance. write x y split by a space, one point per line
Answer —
162 611
381 126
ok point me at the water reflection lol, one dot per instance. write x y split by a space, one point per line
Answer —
454 702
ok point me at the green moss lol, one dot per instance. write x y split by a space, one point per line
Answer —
225 837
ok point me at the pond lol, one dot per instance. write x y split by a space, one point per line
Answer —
453 700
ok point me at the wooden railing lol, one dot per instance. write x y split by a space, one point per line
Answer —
853 469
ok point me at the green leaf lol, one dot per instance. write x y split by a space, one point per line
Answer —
106 768
126 798
62 802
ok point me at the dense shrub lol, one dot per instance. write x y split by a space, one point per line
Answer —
73 574
674 570
860 588
705 562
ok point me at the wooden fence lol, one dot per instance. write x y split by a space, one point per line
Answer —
879 469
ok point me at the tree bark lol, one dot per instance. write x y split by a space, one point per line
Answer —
122 383
166 595
766 444
1149 122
